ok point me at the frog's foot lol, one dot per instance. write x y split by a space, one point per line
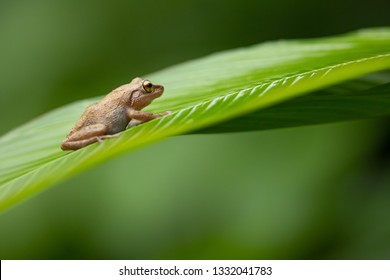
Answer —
133 123
166 113
101 138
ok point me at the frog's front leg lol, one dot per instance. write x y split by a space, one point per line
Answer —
85 136
138 117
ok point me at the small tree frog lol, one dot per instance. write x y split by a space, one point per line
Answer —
117 111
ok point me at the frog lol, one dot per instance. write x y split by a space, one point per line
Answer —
116 112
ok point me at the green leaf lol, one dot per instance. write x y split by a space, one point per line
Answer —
354 100
214 90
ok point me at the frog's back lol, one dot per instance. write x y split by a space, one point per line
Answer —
109 111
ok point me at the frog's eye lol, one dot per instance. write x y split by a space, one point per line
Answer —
148 86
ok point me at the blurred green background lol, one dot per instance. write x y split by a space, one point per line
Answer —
304 193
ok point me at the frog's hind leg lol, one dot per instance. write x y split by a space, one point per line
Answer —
85 136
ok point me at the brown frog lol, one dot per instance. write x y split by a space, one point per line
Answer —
117 111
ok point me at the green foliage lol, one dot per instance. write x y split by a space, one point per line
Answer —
245 89
353 100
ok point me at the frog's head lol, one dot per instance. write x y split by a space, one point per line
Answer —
143 92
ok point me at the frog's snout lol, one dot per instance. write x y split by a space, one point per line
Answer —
161 88
158 89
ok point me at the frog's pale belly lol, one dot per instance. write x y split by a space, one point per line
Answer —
117 121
